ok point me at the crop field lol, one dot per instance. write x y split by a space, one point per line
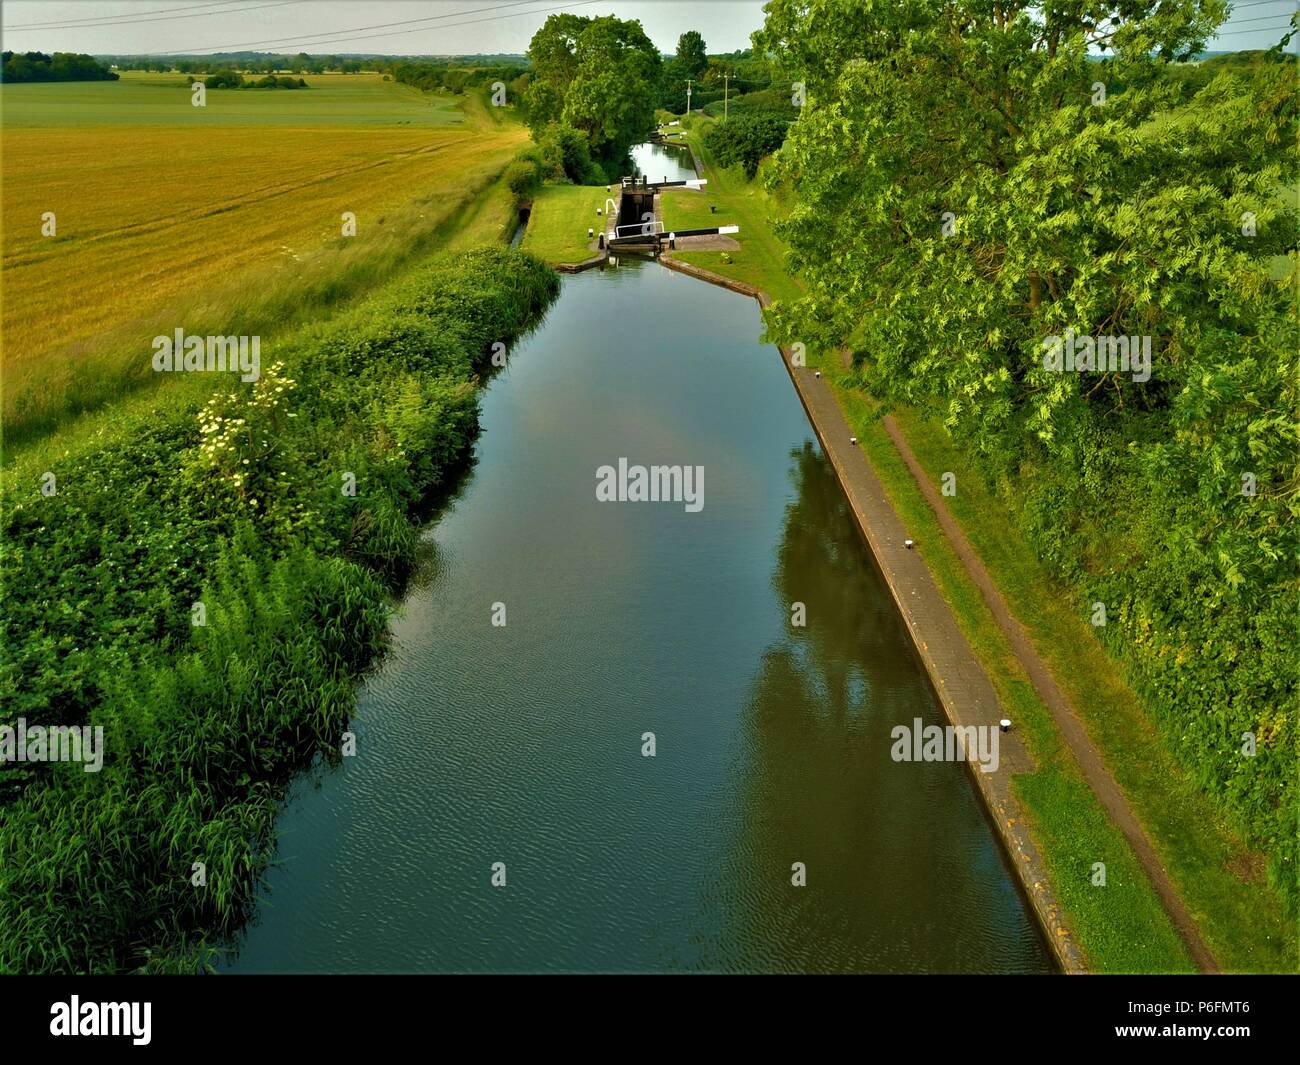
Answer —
226 218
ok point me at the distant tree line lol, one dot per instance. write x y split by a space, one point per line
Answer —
302 63
432 76
225 79
247 63
61 66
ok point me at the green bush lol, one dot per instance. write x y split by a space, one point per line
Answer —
775 102
223 79
271 81
567 155
744 140
523 178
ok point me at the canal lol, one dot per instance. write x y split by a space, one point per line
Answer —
659 162
521 745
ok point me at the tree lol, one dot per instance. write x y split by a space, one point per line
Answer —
974 180
598 75
61 66
746 139
691 54
672 87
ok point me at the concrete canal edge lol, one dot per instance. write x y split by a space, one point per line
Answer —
956 675
586 264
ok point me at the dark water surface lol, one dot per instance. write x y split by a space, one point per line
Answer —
522 744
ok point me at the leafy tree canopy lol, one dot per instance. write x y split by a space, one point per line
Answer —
598 75
690 52
61 66
973 179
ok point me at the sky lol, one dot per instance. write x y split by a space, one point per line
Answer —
444 27
293 25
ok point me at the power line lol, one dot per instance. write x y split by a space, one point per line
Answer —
225 9
277 41
112 18
1261 18
1258 29
376 26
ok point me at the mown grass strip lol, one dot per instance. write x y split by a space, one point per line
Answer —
560 218
1221 882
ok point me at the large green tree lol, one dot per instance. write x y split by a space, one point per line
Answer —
974 178
690 52
597 75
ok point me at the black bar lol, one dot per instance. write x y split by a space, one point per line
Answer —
1014 1015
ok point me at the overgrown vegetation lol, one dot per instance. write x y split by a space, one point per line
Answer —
240 506
566 156
964 195
456 79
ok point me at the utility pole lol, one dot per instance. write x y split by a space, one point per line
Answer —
726 85
688 96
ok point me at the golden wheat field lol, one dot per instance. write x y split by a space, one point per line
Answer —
167 217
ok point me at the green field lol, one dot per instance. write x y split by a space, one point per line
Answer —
738 201
164 99
224 219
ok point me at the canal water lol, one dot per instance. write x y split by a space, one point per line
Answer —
520 747
660 162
